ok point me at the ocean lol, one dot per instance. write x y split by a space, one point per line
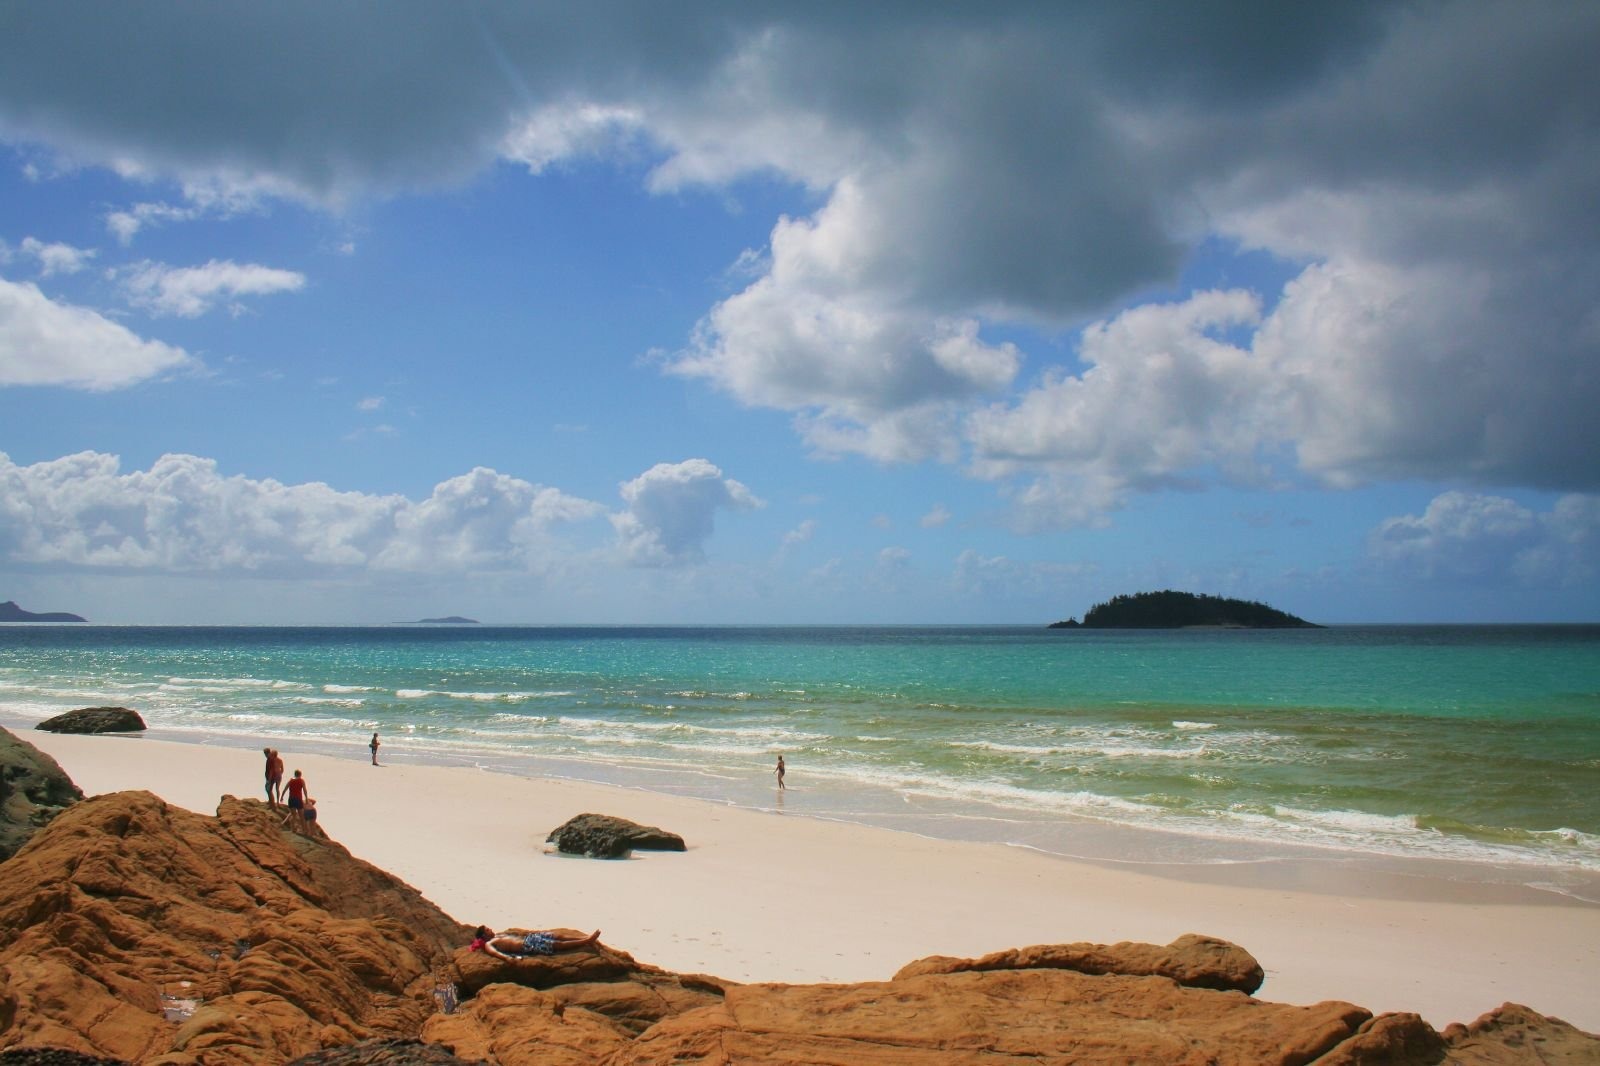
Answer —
1471 744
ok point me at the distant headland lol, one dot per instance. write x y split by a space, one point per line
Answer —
10 612
1183 610
452 620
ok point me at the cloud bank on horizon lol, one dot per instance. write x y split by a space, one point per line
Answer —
1078 265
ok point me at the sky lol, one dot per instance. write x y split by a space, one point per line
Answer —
790 313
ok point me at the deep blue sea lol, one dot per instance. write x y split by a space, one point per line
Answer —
1479 743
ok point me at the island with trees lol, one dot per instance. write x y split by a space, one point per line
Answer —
1183 610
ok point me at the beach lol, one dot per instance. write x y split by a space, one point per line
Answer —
780 896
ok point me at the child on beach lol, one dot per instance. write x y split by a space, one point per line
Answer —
779 771
374 747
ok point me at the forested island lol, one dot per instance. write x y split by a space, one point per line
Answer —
1182 610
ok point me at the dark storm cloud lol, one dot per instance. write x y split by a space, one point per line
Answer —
1435 168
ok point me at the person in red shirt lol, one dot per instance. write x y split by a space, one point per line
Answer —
297 794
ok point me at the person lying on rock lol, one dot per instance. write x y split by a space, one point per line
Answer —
514 945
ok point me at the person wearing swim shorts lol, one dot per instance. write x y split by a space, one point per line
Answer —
297 800
274 776
519 944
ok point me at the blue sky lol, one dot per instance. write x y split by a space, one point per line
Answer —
798 313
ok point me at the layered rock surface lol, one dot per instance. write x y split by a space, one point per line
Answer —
291 948
33 790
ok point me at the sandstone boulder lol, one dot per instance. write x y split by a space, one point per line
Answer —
33 790
602 836
94 720
1191 960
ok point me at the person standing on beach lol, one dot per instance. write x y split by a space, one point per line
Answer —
374 747
274 777
779 772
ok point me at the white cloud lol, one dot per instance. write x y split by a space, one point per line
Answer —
937 517
43 342
1465 536
56 258
189 292
671 511
802 533
1432 167
184 516
369 403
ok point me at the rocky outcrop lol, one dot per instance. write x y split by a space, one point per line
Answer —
1191 960
94 720
33 790
267 945
134 931
602 836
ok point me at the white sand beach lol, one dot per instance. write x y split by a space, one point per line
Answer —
782 897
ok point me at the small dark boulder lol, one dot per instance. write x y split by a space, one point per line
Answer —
602 836
33 790
94 720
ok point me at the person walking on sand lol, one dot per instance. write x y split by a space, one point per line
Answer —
779 771
374 747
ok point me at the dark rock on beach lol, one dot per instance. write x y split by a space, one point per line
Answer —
33 790
602 836
94 720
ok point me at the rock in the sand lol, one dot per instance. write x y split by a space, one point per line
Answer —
602 836
94 720
1191 960
33 790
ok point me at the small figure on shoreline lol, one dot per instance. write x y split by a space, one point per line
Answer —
274 777
374 747
780 771
297 801
515 945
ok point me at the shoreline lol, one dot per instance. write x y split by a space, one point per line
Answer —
789 897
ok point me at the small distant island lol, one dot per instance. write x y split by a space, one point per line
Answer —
10 612
1183 610
452 620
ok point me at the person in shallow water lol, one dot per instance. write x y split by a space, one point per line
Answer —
514 945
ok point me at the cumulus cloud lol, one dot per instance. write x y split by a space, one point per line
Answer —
937 517
189 292
1464 536
55 257
43 342
184 516
671 511
1432 170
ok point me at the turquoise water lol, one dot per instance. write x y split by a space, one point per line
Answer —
1474 742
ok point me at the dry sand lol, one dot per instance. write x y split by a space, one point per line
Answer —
781 897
